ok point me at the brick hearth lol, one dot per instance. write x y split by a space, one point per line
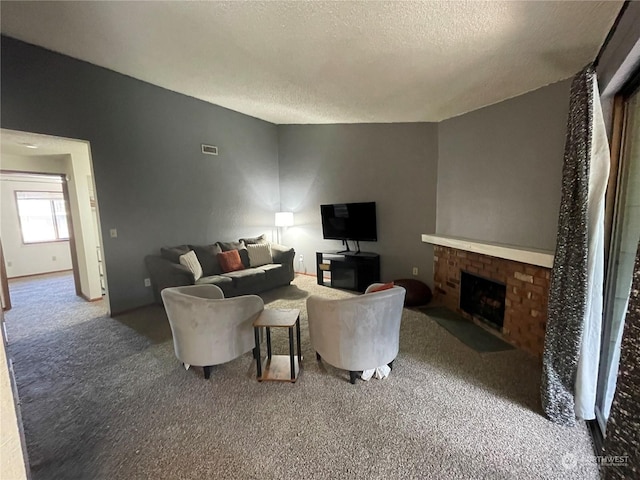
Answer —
527 292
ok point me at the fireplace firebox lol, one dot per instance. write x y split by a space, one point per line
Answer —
483 299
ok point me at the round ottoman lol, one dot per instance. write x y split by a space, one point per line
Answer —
418 293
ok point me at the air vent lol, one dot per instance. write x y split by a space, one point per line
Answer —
209 149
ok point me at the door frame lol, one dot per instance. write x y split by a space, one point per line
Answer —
4 281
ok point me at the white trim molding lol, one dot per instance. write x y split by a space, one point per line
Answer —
532 256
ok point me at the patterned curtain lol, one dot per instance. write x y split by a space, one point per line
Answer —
622 443
572 340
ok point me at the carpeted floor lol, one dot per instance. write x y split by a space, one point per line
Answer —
105 398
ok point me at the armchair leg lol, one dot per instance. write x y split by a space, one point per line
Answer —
256 353
352 377
207 372
390 364
318 357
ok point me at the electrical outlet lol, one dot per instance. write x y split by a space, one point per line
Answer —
54 258
114 233
9 263
415 270
147 282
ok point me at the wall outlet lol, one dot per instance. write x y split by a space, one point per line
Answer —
415 270
54 258
114 233
9 263
147 282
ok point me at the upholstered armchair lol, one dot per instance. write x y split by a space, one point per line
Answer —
207 328
357 333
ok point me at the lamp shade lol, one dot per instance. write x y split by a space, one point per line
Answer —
284 219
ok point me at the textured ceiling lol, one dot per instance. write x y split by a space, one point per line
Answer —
327 62
15 143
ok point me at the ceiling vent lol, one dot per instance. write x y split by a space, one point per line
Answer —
209 149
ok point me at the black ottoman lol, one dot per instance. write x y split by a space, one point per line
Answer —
418 293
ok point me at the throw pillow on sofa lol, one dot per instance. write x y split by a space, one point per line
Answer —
190 261
259 254
230 261
240 246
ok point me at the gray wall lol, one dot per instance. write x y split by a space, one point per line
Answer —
394 165
495 172
500 169
153 184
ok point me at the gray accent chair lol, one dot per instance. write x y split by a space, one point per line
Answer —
207 328
357 333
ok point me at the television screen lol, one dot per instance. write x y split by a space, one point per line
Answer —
349 221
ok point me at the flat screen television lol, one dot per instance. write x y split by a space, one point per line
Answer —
349 221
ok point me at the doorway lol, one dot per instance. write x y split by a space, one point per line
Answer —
72 222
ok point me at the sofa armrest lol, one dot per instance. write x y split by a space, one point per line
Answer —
283 255
164 273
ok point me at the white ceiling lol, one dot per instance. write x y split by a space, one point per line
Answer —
327 62
13 142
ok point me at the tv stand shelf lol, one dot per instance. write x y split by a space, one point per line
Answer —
347 270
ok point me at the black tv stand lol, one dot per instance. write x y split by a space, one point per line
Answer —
347 270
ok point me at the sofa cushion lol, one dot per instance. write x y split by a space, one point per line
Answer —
275 272
173 253
282 254
247 278
208 258
230 261
270 266
252 241
226 246
218 280
240 246
190 261
259 254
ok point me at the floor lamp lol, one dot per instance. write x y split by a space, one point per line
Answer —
283 219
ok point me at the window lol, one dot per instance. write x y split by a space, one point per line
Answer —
43 216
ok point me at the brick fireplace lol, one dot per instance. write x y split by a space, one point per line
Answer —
527 292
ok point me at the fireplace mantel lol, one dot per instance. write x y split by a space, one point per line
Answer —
531 256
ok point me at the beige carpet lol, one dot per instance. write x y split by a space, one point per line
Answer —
105 398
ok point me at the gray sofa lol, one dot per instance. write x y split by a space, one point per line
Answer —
165 270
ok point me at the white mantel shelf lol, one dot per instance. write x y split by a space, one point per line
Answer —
532 256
